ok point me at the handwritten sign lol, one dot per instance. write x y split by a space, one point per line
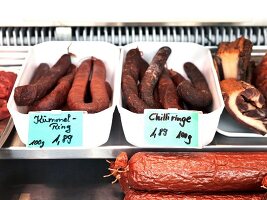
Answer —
55 129
168 128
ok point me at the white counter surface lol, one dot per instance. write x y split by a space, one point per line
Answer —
121 12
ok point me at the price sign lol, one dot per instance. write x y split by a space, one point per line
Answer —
168 128
55 129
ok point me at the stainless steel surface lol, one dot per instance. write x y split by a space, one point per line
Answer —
57 179
208 35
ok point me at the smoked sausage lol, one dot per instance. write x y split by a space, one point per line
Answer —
42 70
25 95
57 97
99 94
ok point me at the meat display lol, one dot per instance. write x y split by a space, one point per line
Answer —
243 84
154 86
246 104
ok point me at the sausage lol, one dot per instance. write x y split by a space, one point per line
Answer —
152 75
195 172
176 77
42 70
130 76
196 93
144 195
57 98
25 95
167 92
143 65
99 94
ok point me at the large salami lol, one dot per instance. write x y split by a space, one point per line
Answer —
193 172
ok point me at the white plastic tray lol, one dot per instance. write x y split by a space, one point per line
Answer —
231 128
96 127
133 124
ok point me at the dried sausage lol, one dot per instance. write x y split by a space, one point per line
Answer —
25 95
99 94
152 75
57 97
167 92
130 76
42 70
196 93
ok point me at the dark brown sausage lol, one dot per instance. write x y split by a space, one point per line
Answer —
57 98
196 93
130 74
25 95
176 77
152 75
196 172
42 70
167 92
99 94
144 195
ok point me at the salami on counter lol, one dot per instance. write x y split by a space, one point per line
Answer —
192 172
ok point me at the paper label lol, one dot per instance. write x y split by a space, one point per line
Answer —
55 129
171 128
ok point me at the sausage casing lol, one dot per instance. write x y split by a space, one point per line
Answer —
57 97
99 94
152 75
130 75
144 195
197 172
25 95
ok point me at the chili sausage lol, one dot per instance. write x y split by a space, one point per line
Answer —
167 92
130 76
152 75
196 93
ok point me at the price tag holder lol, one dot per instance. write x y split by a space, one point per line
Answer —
55 129
171 128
